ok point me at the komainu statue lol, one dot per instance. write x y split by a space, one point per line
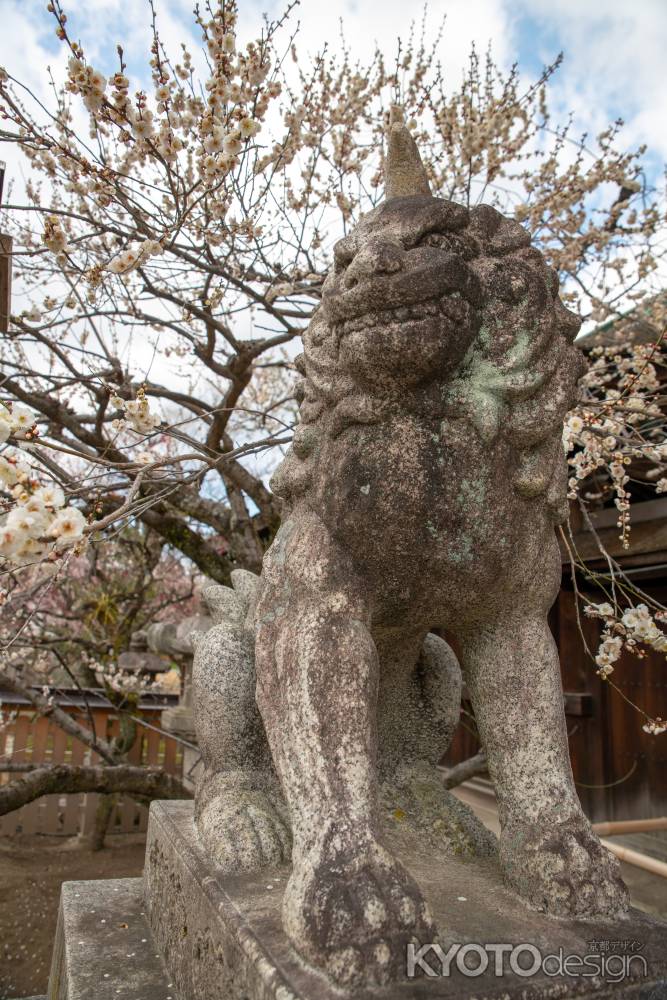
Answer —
421 491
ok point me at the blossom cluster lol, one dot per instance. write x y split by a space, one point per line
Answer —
88 82
625 630
618 423
136 412
134 256
655 727
215 128
54 236
38 521
635 625
121 681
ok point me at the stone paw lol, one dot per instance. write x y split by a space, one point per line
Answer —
563 869
245 830
352 913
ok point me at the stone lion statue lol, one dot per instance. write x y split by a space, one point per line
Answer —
421 491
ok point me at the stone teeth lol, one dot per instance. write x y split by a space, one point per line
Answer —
386 316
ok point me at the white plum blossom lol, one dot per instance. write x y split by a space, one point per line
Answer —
625 630
36 517
13 470
121 681
5 423
605 667
23 522
18 421
88 82
35 508
248 128
22 420
142 128
655 727
67 526
604 610
610 649
605 435
50 496
634 617
11 540
8 472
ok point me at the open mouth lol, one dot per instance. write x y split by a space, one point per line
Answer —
449 307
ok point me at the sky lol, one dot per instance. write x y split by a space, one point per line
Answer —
614 49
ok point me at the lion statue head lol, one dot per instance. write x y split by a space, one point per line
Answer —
444 310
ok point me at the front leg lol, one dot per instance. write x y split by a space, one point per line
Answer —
350 908
549 852
239 811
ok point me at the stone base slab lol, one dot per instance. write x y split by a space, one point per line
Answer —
222 937
103 948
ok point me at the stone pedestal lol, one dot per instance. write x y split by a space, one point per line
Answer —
103 948
191 934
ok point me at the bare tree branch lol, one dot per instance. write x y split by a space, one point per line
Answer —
66 779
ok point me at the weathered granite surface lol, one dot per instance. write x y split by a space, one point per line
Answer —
222 936
240 810
422 490
103 948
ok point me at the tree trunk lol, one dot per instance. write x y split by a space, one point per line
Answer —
103 814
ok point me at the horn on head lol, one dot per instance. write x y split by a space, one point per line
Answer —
405 172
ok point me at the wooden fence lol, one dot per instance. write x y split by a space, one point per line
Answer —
27 737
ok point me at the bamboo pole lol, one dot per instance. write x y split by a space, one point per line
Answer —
636 858
619 827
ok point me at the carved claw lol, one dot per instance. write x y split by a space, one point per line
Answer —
563 869
245 829
353 913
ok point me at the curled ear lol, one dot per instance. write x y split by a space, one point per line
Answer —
224 605
245 586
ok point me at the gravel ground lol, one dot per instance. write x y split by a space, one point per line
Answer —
31 872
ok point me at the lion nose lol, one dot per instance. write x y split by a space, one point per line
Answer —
377 257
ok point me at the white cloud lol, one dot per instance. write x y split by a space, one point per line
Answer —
614 62
614 51
466 21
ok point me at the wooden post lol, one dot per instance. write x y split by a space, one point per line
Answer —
5 281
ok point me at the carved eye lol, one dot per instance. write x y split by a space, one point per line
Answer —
435 240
